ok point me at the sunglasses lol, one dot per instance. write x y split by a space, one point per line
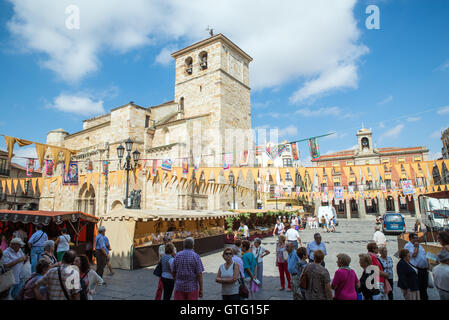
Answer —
228 254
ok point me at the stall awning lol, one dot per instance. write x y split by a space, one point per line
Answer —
44 217
150 215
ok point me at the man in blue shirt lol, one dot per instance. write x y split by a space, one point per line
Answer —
101 250
419 261
316 245
292 262
36 244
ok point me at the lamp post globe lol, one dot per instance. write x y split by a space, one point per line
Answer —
129 145
120 151
136 156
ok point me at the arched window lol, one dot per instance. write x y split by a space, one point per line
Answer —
189 65
181 105
166 136
365 143
203 60
86 199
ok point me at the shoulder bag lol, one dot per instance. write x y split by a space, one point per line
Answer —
7 279
303 279
243 290
62 285
158 270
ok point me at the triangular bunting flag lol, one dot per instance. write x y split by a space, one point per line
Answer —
440 167
407 171
381 170
282 172
88 180
40 184
55 155
22 185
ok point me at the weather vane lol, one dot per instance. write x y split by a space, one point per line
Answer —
210 30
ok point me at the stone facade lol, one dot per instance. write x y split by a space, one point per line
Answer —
19 199
365 154
212 99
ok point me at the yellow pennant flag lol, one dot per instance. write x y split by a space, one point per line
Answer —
40 184
328 173
3 186
178 171
440 167
292 172
414 165
207 172
365 172
244 172
446 164
319 171
22 185
310 173
119 178
216 173
96 177
111 178
55 155
198 176
254 173
189 174
302 173
430 169
407 170
356 173
48 183
381 170
88 180
40 151
347 171
282 173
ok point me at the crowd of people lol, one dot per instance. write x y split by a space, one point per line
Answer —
41 269
62 274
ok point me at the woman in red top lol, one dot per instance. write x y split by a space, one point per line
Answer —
373 251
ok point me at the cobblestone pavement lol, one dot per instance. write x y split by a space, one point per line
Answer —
351 238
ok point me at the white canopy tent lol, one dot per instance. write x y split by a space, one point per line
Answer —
121 223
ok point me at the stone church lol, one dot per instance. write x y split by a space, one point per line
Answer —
211 103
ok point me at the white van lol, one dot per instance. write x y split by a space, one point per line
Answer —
435 212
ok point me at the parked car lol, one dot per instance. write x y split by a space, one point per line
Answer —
393 222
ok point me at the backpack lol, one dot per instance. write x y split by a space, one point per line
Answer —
84 288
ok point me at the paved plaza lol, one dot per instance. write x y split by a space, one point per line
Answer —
351 238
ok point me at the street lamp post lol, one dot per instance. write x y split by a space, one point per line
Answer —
128 166
232 181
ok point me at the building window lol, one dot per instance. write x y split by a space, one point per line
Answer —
401 160
350 163
288 176
203 60
287 162
4 167
418 158
189 65
147 121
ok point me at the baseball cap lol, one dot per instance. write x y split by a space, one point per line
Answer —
17 241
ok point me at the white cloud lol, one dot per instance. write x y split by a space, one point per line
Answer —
393 132
381 125
327 111
336 136
413 119
288 131
164 57
443 110
78 104
386 100
344 76
437 134
444 66
290 41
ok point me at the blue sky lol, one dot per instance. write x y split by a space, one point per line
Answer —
316 68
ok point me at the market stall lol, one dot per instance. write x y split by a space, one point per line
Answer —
135 235
81 226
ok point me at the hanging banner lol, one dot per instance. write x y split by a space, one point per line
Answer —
196 162
30 168
295 153
89 166
325 199
383 186
277 192
154 168
351 189
393 186
313 146
407 187
338 193
244 159
369 202
362 194
402 200
105 167
185 165
166 165
49 170
70 174
227 161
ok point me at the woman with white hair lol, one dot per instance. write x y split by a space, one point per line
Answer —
48 254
